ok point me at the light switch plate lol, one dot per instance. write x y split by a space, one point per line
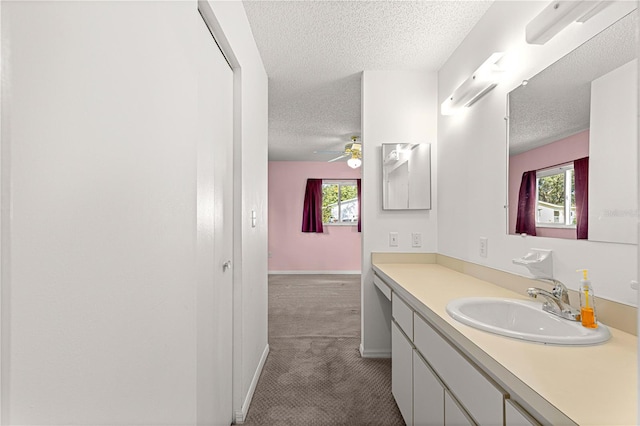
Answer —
416 239
393 239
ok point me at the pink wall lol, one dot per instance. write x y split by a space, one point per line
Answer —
337 249
562 151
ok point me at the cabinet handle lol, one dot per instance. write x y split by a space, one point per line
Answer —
226 265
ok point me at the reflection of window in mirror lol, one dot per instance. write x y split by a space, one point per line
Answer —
545 162
556 198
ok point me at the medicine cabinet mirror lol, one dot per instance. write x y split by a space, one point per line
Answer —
584 106
406 176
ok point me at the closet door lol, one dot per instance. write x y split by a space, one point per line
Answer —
215 232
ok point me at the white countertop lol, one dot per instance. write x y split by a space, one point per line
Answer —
591 385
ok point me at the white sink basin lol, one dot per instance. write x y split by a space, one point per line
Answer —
524 320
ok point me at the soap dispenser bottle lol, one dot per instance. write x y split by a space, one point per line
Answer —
587 302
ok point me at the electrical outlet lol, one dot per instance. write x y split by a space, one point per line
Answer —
416 239
484 246
393 239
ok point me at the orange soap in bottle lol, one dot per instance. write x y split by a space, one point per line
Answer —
587 302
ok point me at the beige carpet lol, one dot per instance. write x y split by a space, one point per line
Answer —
314 374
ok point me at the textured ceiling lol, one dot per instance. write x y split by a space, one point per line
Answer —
314 53
556 102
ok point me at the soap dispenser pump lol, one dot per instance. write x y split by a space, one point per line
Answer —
587 302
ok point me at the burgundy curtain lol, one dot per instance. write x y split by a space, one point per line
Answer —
581 173
359 205
526 221
312 212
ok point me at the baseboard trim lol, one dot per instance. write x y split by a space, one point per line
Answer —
241 415
374 354
315 272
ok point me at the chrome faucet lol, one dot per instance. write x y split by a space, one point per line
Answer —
557 300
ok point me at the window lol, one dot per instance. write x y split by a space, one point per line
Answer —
339 202
555 197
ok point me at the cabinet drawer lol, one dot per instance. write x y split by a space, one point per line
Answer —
403 315
483 401
382 286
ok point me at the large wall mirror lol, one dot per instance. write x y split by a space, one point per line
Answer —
572 141
406 176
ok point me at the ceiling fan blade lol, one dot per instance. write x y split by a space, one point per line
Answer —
338 158
328 152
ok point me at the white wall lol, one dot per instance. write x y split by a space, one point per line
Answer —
250 174
101 238
99 211
397 107
472 155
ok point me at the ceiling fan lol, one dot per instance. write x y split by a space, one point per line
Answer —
352 150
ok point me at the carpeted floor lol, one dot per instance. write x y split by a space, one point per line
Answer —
314 375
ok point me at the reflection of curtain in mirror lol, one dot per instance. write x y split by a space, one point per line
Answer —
581 173
359 182
312 212
526 221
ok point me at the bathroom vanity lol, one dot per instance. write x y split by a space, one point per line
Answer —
445 372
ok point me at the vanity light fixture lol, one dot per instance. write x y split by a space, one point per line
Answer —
558 14
392 157
480 83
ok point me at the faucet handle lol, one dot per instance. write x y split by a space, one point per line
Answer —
560 291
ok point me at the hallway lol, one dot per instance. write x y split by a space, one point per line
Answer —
314 374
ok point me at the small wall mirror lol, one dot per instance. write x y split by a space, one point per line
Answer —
572 141
406 176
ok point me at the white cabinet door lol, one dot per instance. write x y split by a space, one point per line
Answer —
453 414
428 395
517 416
480 397
402 372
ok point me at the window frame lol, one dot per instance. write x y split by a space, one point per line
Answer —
340 183
568 170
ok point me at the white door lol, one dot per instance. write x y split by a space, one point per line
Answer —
215 233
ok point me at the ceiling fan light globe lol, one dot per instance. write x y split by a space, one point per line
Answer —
354 163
